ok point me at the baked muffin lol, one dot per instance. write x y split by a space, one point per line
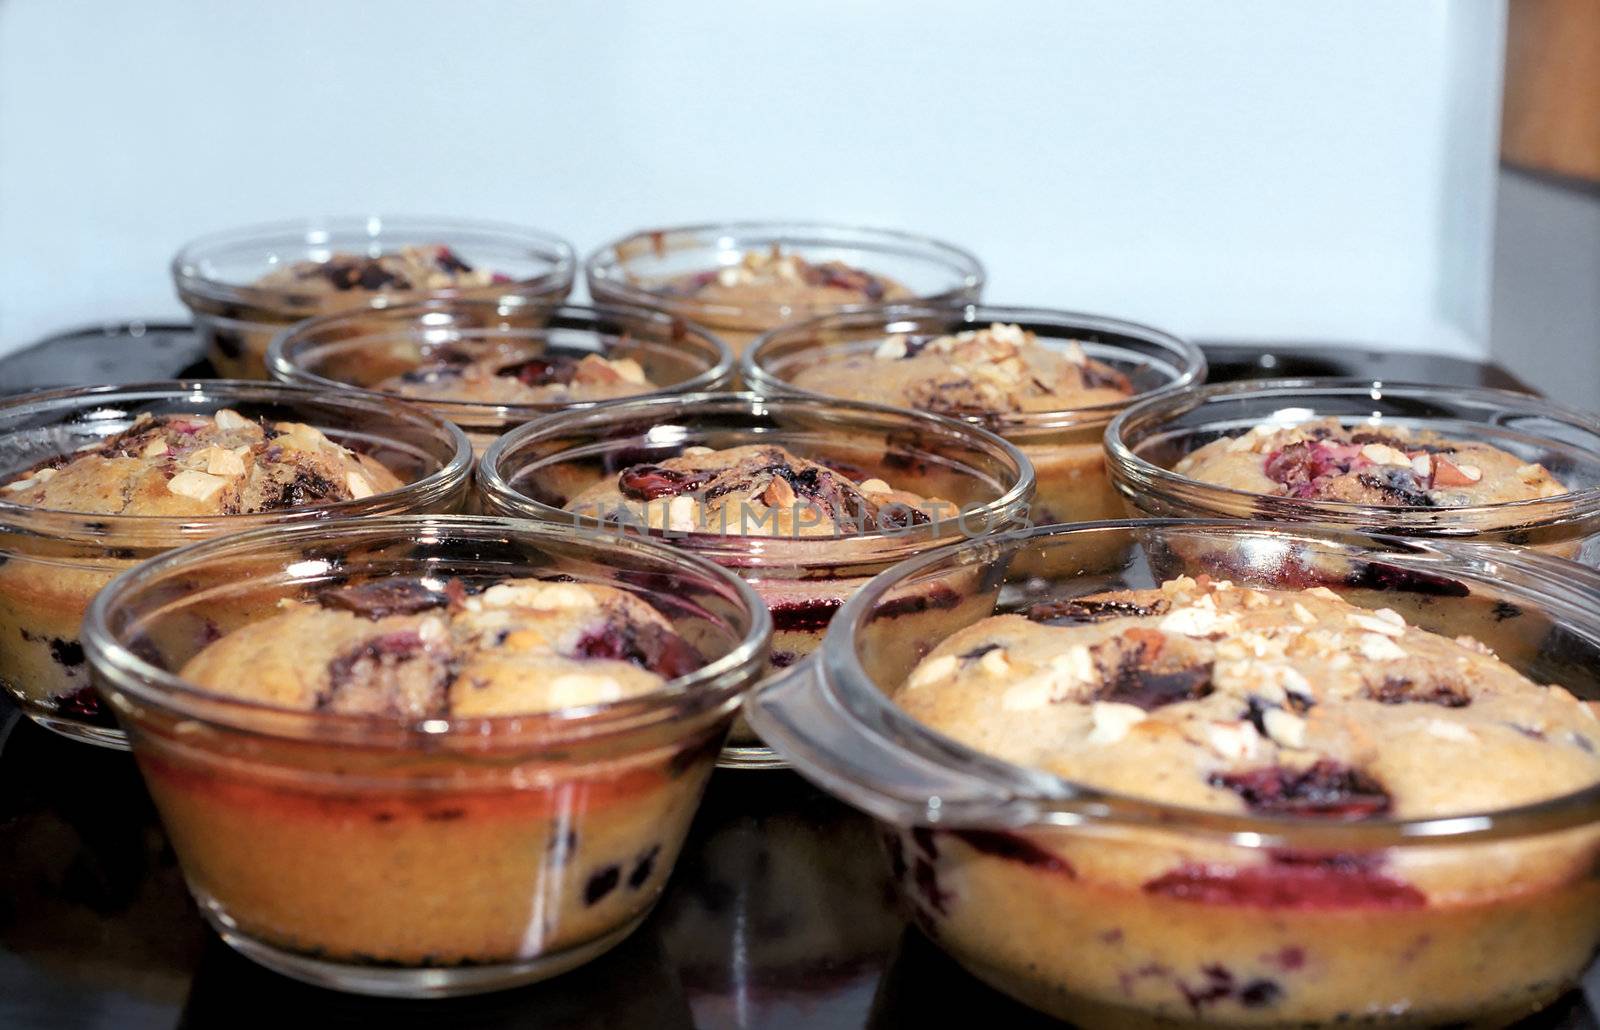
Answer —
496 820
222 464
169 467
766 490
244 287
1288 704
508 373
993 375
773 278
1000 370
1392 466
400 648
409 269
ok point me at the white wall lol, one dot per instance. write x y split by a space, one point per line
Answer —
1314 170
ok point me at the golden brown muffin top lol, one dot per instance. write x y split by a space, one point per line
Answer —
772 277
756 490
407 648
1214 696
198 465
1001 370
510 373
1387 465
409 269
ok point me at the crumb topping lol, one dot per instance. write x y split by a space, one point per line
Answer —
1391 466
410 268
504 373
221 464
1002 369
410 648
756 490
773 268
1212 695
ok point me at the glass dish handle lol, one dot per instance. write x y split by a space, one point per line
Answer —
874 758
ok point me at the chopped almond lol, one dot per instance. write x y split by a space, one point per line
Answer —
1448 473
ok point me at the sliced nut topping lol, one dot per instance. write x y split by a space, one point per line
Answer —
20 485
1377 624
220 461
547 596
1383 454
1447 730
694 452
681 514
1198 620
1303 615
1112 721
933 671
1379 648
359 487
202 486
228 420
1234 741
1285 727
778 493
1474 644
892 349
995 663
156 448
1448 473
1065 674
1422 465
875 486
1323 592
629 370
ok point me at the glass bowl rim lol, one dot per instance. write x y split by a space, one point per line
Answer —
1035 798
1123 460
972 273
495 487
142 680
184 265
286 370
1189 359
437 484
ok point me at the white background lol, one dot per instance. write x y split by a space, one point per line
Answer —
1308 170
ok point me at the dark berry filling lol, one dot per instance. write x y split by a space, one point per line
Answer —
647 646
1399 690
380 598
557 369
1325 790
449 261
1014 848
1087 609
809 616
1288 883
600 884
648 482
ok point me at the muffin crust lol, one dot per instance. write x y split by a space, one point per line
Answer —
199 465
1231 699
503 373
407 649
1390 466
1001 370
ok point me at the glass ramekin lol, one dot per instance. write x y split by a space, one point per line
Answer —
52 563
635 268
363 348
1143 443
1064 446
216 276
437 856
1109 910
535 470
